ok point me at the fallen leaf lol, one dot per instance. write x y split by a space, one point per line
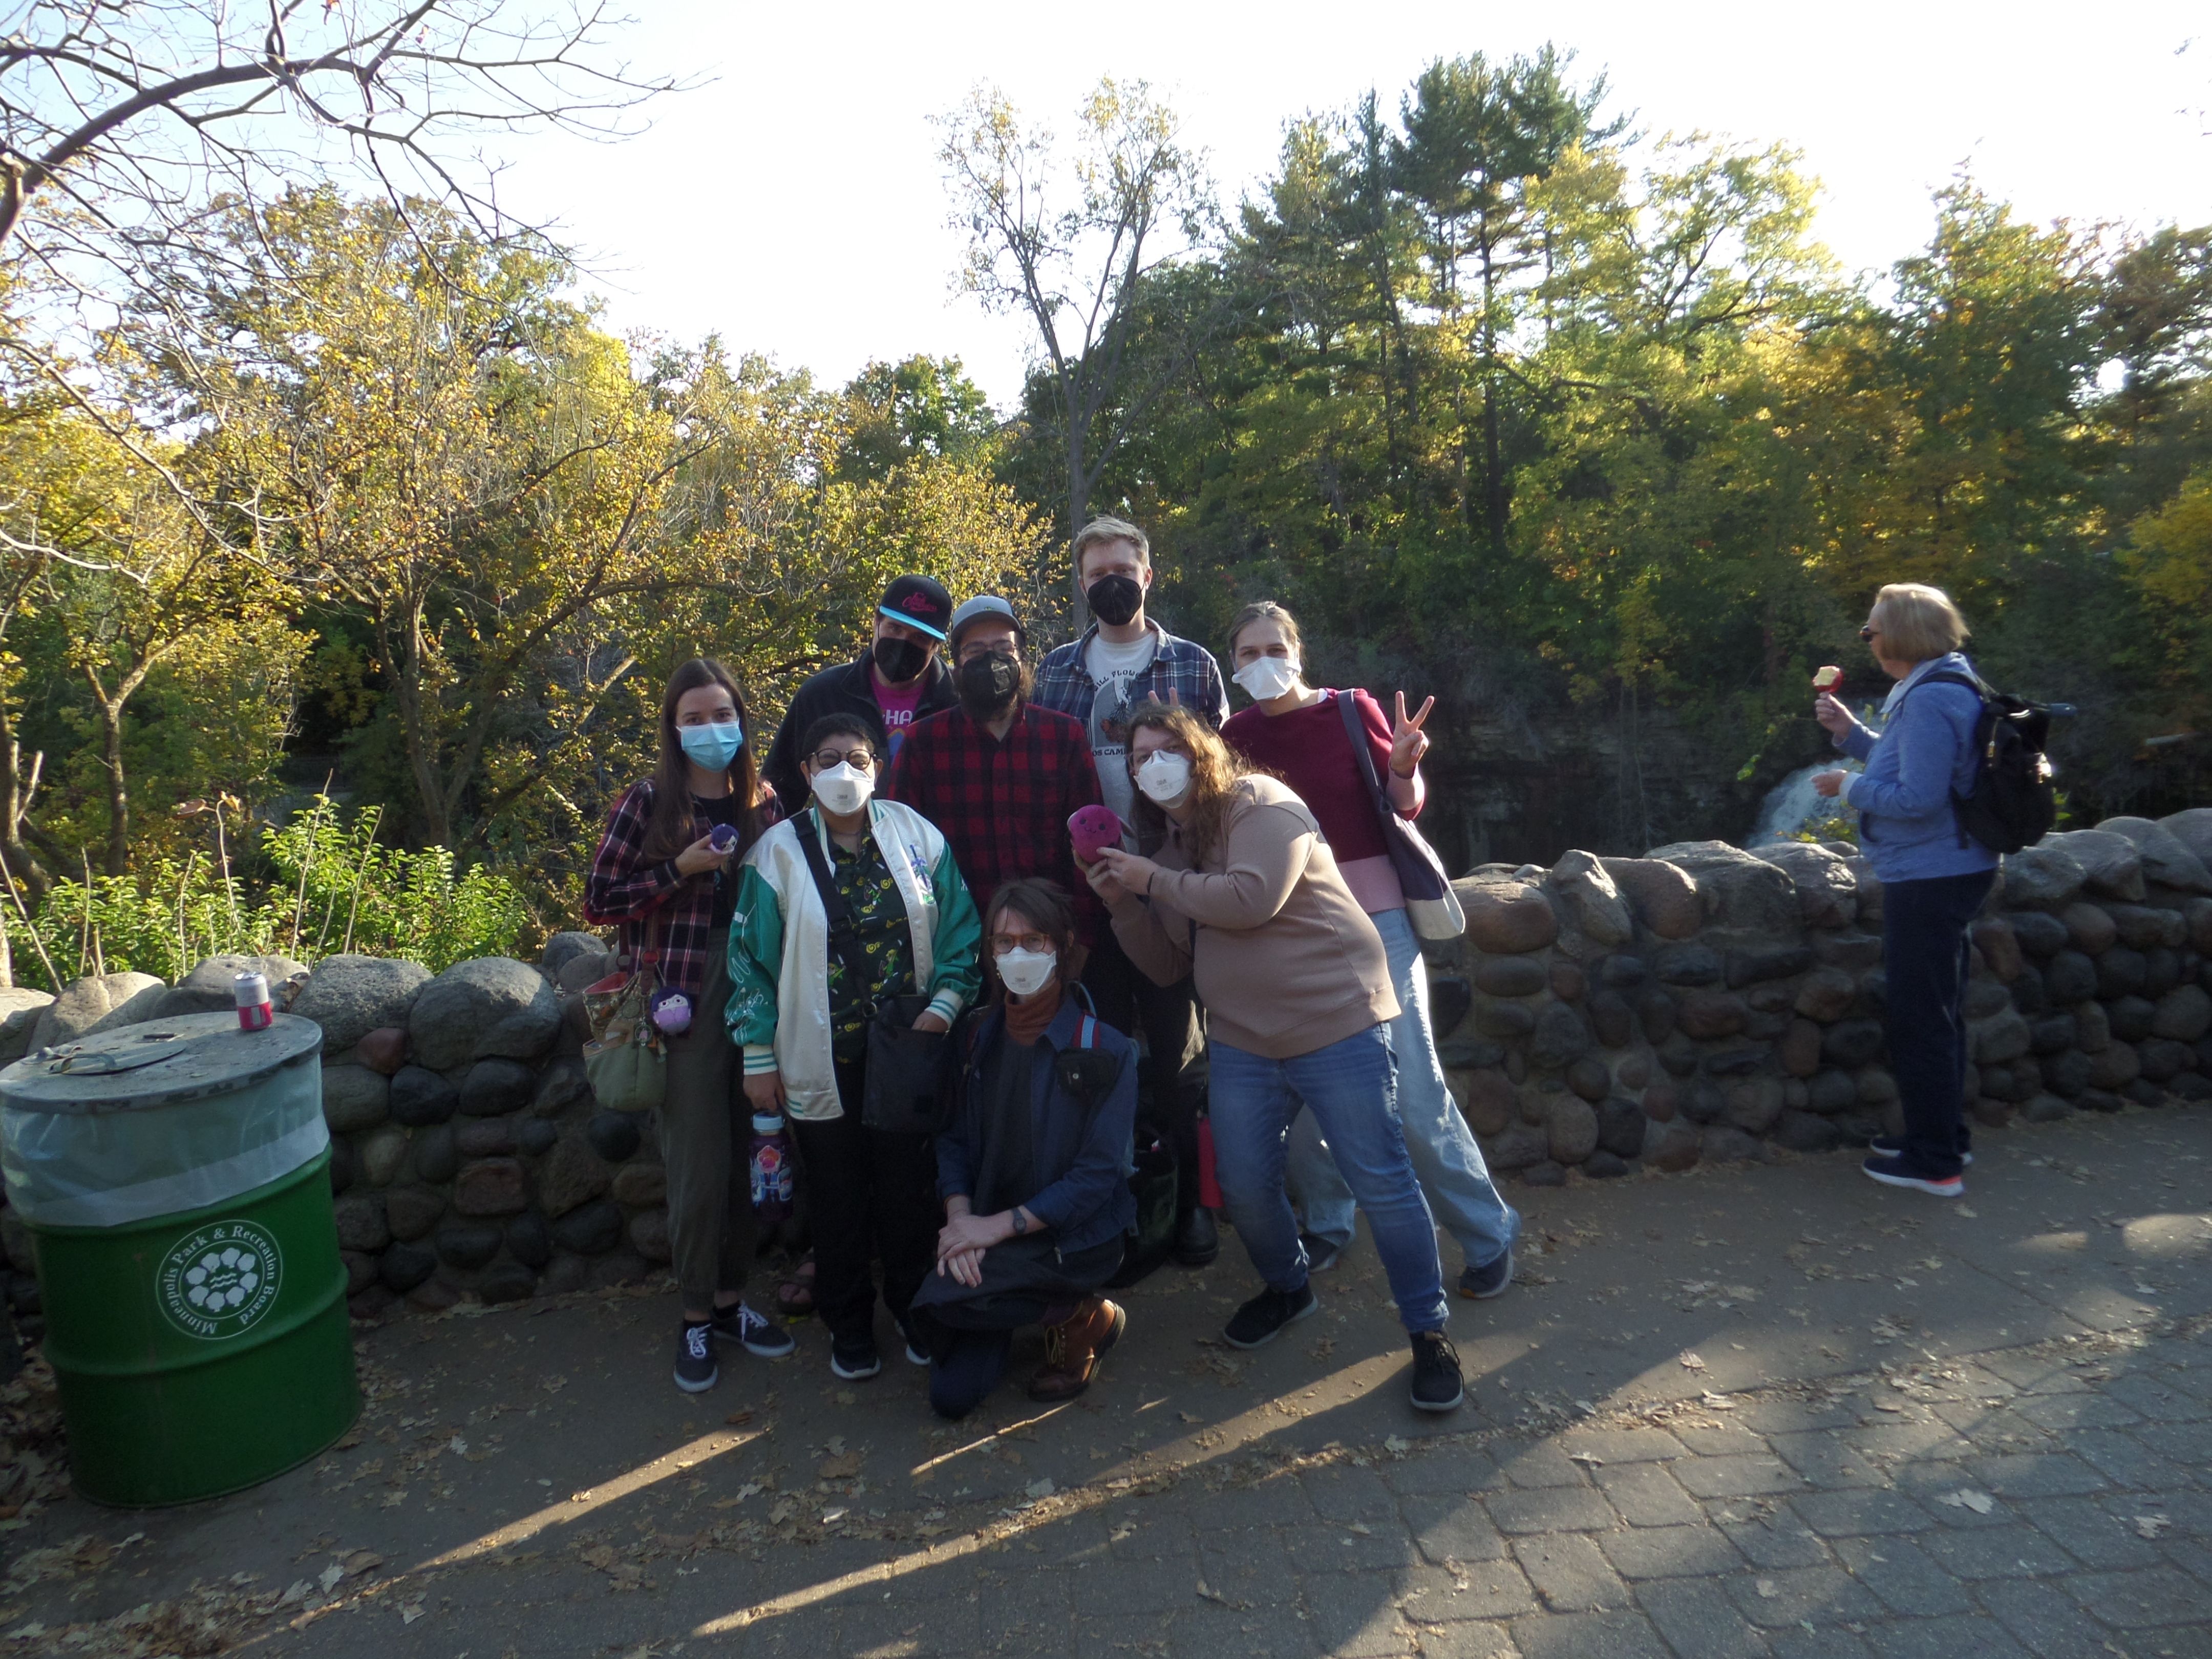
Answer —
1690 1362
842 1468
828 1516
410 1613
1590 1458
554 1384
1041 1488
1397 1445
2149 1525
1768 1589
1361 1527
844 1396
745 1416
1190 1417
328 1576
1968 1498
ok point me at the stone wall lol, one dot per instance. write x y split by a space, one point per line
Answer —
1703 1001
1698 1004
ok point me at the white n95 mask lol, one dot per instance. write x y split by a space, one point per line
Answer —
1165 777
1268 678
844 788
1027 972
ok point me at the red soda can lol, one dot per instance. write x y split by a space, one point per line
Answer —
251 992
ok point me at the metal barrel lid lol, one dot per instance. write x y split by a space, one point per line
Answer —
161 1063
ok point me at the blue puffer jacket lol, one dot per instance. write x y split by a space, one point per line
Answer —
1924 753
1082 1153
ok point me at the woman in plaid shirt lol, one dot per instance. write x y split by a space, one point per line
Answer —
659 878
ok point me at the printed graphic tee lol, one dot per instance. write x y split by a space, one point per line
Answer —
897 704
1113 668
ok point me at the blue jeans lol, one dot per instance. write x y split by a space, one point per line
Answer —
1351 1086
1925 954
1445 1157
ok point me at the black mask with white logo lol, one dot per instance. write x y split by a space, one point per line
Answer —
899 660
1114 599
987 683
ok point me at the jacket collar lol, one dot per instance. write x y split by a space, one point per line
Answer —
1949 662
1059 1035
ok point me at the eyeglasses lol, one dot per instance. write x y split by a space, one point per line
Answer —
1869 633
860 759
1011 654
1034 944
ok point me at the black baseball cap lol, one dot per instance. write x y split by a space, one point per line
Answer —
919 602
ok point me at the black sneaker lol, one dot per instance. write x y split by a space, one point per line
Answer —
742 1325
1903 1172
854 1361
916 1354
1436 1386
1321 1254
696 1370
1894 1146
1481 1284
1263 1317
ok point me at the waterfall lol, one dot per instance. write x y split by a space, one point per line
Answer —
1791 803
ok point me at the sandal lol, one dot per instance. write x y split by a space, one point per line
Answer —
794 1296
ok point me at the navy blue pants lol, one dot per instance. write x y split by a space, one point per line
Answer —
1924 955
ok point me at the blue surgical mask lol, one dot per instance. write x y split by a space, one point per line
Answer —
712 746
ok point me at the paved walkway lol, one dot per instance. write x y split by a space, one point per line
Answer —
1772 1410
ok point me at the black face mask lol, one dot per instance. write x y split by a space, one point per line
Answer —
1114 599
899 660
987 683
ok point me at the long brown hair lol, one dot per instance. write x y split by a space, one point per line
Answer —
672 826
1214 769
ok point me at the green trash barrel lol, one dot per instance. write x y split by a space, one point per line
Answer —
173 1178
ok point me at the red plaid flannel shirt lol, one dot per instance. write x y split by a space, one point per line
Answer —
1003 804
624 890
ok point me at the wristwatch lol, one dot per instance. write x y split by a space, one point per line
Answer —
1021 1222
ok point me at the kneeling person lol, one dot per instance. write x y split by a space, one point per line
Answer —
1033 1167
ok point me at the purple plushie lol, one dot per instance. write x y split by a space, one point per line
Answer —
669 1011
723 838
1091 828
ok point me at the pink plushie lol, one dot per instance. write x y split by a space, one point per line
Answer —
1092 828
671 1011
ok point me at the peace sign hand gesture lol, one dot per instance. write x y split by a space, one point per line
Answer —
1408 743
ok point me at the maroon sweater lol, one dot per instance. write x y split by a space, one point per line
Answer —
1306 748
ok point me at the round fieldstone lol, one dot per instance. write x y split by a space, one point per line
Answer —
96 1002
1592 901
411 1212
1590 1078
1521 1145
572 1174
1622 972
384 1049
1661 1102
2052 1033
2028 995
1827 889
563 1085
613 1135
491 1186
1852 1042
2161 971
1709 1014
564 1273
2000 949
2069 977
2038 934
1678 1054
1449 997
344 1166
360 1270
1507 917
1507 1021
2143 1093
2005 1036
1799 1050
2090 928
468 1244
1468 1053
350 996
563 948
437 1155
1984 997
530 1240
1544 1172
640 1186
1726 1143
2163 1059
403 1266
1569 1128
510 1281
1874 994
2191 1086
1739 890
591 1230
1634 1072
1768 962
1663 896
1569 983
361 1223
1703 1101
535 1136
1486 1100
2100 1100
1615 1022
2116 1067
485 1138
1655 1013
1754 1104
1510 977
1673 1147
486 1007
1801 1132
495 1087
648 1235
207 989
354 1098
1620 1128
420 1098
2093 1030
382 1151
2111 866
2142 928
1876 1087
2120 973
1829 1092
2130 1017
1686 964
2067 1074
1603 1165
2184 1014
1733 1063
1560 1037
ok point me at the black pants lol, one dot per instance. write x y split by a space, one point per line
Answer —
1173 1069
870 1195
1924 953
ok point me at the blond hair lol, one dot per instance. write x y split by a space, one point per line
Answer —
1267 610
1917 622
1104 529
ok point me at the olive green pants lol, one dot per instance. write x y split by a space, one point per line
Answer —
706 1141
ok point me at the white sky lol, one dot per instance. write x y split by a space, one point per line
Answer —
794 204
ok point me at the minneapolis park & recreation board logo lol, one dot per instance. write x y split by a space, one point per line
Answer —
219 1279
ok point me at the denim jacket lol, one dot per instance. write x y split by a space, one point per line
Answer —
1082 1154
1924 752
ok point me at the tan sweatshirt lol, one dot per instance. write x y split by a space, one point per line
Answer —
1285 960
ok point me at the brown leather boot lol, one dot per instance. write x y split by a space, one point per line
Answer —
1073 1348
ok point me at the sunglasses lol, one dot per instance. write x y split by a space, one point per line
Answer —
1869 633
